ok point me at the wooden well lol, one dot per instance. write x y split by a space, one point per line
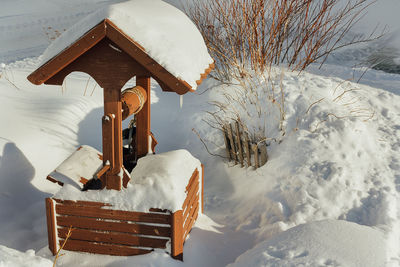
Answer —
98 228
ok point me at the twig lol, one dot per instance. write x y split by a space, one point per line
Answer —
70 229
198 135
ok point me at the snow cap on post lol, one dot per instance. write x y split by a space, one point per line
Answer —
160 37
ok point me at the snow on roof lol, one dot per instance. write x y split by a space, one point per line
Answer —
83 163
157 181
165 32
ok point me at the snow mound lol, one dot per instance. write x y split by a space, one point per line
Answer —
166 33
321 243
11 257
158 181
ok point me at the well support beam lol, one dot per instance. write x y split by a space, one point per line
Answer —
143 119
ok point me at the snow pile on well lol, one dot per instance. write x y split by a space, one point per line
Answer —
83 163
322 243
165 32
158 181
11 257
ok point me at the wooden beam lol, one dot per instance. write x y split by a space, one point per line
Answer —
177 235
51 228
143 122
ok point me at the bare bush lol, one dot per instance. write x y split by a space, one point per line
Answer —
249 38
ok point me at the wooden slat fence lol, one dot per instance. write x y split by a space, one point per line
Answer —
240 150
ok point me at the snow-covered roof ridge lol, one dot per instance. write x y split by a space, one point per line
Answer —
167 35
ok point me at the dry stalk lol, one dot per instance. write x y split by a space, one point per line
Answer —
70 229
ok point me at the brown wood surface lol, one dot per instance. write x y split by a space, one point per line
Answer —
254 147
263 154
247 149
227 144
193 191
51 179
100 248
193 210
51 228
232 141
67 56
81 203
205 74
193 219
193 203
202 188
239 143
115 226
112 237
193 178
177 235
96 212
143 118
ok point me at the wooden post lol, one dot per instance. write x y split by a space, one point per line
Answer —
263 154
112 137
255 150
51 227
227 146
177 235
247 149
232 141
143 122
239 144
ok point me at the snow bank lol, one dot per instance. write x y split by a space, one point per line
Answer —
13 258
166 33
322 243
158 181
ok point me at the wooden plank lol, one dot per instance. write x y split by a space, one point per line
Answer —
112 237
193 219
193 210
143 123
81 203
227 145
193 202
254 147
123 227
263 154
99 248
190 195
205 74
177 235
95 212
194 178
232 141
247 149
54 65
51 228
202 188
239 144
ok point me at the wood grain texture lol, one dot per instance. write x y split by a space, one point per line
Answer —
101 248
143 119
177 235
193 202
51 228
112 238
193 178
194 190
115 226
95 212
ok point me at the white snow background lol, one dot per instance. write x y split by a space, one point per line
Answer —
329 195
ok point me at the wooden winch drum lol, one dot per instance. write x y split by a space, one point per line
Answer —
133 100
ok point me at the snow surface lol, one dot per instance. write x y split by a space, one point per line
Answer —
157 181
321 243
84 162
14 258
165 32
326 168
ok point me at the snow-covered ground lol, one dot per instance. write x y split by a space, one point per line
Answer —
328 196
